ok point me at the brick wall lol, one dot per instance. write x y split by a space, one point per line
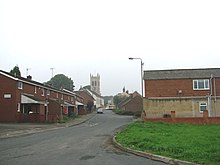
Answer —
186 120
134 105
173 88
8 106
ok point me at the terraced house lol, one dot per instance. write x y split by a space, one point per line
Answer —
25 100
188 92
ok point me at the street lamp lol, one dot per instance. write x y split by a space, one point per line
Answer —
142 64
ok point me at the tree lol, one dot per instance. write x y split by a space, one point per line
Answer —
61 81
15 71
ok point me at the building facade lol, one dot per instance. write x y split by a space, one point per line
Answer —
25 100
133 103
188 92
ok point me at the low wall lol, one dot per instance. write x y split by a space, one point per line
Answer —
36 118
186 120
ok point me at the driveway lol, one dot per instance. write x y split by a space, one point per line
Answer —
87 143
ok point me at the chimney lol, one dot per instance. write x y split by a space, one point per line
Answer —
124 90
29 77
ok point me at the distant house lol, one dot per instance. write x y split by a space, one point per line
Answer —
109 102
188 92
88 99
99 100
25 100
133 103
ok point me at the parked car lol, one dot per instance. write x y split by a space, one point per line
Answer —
100 110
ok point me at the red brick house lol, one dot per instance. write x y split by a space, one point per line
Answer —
188 92
25 100
89 101
133 103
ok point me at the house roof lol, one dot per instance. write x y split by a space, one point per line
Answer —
84 91
181 73
29 99
30 81
128 99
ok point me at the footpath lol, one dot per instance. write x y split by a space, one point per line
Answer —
18 129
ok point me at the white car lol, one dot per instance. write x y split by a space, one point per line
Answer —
100 110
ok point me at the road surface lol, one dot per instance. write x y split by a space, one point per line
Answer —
87 144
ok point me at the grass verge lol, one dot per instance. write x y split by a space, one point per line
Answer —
194 143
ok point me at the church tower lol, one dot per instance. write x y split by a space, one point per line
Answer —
95 83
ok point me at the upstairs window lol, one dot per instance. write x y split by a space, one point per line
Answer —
201 84
48 92
20 85
35 90
42 92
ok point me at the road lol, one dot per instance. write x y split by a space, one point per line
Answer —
88 143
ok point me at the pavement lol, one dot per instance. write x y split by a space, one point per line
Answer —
8 130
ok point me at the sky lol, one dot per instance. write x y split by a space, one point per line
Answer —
82 37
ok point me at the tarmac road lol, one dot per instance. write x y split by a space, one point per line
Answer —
87 143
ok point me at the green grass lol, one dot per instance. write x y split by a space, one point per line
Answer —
194 143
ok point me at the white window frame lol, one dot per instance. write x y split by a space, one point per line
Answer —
48 92
202 104
35 90
20 85
197 84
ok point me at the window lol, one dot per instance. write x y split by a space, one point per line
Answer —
57 95
42 94
18 107
201 84
202 107
48 92
35 89
20 85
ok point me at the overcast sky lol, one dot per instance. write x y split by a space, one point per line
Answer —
79 37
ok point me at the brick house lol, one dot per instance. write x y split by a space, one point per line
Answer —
133 103
188 92
88 99
25 100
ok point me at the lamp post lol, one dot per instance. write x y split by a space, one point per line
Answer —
142 64
142 90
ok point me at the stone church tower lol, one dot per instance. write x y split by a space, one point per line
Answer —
95 83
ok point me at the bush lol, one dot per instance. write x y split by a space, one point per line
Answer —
67 118
127 113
